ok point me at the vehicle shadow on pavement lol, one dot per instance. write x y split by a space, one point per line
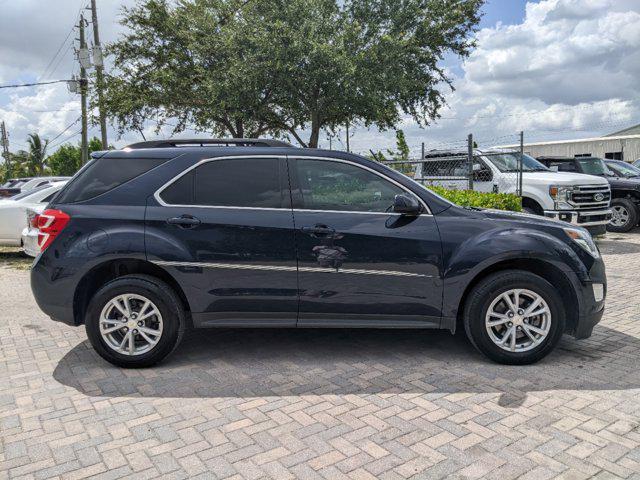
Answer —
293 362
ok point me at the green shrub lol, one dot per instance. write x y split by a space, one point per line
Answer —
470 198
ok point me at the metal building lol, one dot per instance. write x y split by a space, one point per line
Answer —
622 145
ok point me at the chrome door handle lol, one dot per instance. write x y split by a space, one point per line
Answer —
184 221
318 230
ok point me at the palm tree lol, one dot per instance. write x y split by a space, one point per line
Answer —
37 154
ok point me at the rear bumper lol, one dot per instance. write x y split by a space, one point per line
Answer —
30 242
54 295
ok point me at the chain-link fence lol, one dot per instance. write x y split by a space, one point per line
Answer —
485 170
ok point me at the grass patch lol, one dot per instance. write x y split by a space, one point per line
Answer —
14 257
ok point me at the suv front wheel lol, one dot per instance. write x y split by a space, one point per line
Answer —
135 321
514 317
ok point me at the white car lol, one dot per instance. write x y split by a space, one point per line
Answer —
13 211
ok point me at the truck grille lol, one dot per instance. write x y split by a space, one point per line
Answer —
590 196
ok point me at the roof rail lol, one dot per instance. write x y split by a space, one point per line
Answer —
201 142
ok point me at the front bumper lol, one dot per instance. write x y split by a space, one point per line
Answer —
591 295
593 220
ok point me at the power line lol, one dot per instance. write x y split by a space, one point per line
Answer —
32 84
64 140
63 131
56 54
60 58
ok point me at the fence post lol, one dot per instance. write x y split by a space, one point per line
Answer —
419 171
470 160
521 155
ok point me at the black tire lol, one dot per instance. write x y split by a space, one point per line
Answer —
530 210
483 294
632 215
168 304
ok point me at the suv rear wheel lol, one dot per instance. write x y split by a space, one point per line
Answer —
135 321
624 215
514 317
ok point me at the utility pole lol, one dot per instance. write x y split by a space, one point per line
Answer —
4 140
521 160
83 95
97 59
348 147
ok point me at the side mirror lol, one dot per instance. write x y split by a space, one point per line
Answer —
406 205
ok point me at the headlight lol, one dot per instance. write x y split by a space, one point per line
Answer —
560 195
583 239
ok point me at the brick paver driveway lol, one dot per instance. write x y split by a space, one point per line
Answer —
322 404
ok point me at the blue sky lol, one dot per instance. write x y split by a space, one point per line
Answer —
509 12
556 69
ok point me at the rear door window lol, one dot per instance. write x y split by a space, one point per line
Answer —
234 182
105 174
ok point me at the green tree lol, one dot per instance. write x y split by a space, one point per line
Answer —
19 164
401 154
242 68
67 160
36 155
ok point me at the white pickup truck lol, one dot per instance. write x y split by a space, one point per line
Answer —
572 197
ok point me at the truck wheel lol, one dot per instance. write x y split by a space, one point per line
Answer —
624 215
135 321
514 317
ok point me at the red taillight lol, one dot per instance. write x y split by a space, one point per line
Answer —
33 222
50 223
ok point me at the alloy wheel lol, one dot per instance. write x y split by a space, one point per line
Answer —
131 324
619 216
518 320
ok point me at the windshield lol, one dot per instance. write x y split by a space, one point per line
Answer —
593 166
28 193
510 162
624 169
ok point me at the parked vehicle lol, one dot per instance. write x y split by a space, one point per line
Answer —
636 163
623 169
13 211
12 187
582 200
625 191
23 185
148 241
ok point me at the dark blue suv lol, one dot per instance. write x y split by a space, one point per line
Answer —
159 237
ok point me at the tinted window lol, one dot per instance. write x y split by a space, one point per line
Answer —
180 192
565 167
104 174
241 182
593 166
328 185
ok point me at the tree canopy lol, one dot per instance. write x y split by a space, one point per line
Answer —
67 160
249 68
